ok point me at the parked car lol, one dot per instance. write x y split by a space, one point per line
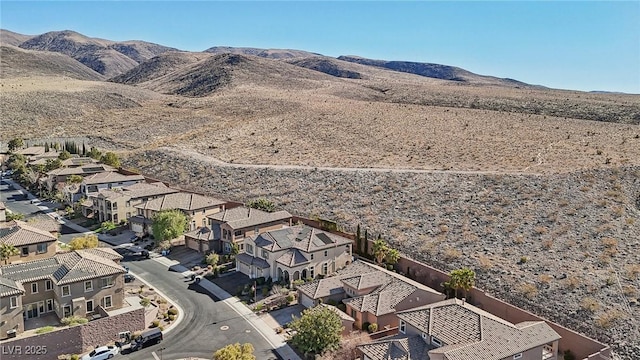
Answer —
147 338
129 278
101 353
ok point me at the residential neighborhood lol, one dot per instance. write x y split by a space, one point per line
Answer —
298 264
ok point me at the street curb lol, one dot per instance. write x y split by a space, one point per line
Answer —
180 310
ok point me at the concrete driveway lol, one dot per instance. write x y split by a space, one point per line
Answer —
283 316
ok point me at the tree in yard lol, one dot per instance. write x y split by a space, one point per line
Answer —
64 155
14 216
110 159
52 164
235 352
7 251
392 256
212 259
235 249
16 143
94 153
317 330
84 242
75 179
380 250
464 279
262 204
16 160
366 243
169 224
358 240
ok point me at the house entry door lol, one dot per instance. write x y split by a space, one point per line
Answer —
32 311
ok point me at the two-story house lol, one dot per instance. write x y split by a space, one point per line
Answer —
32 243
454 329
293 253
118 204
107 180
231 226
73 283
371 294
61 175
196 207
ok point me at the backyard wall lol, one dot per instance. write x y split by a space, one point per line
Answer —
583 347
72 340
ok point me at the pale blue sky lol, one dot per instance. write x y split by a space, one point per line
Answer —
582 45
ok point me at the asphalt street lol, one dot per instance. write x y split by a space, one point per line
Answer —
16 200
207 326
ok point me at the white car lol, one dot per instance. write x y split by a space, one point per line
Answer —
101 353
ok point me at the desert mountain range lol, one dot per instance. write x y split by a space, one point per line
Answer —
536 189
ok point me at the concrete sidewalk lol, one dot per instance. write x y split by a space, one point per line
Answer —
282 348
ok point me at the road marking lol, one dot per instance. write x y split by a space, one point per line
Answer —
155 356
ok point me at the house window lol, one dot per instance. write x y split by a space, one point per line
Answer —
66 291
42 248
435 341
249 249
107 282
424 336
403 327
49 305
311 256
203 211
354 313
237 233
517 356
326 253
107 302
34 288
140 212
115 206
89 306
25 251
48 285
128 215
265 254
88 286
311 272
204 222
66 310
325 268
115 218
128 203
241 247
14 302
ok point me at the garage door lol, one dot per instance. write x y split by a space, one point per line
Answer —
137 228
306 301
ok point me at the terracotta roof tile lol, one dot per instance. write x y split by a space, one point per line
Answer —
242 217
19 233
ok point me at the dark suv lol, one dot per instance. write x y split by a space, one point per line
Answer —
147 338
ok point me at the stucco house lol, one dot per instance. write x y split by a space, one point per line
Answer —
231 226
454 329
196 207
370 293
293 253
73 283
61 175
32 243
119 204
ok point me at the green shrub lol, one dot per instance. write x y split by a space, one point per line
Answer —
45 329
74 320
259 306
239 290
261 280
155 323
173 311
161 328
75 357
290 298
568 355
331 302
265 291
372 327
365 325
172 317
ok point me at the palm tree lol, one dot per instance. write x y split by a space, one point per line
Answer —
380 250
392 256
7 251
464 279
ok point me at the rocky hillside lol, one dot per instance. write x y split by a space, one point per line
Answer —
159 66
266 53
327 65
16 62
562 246
106 57
212 74
437 71
11 38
